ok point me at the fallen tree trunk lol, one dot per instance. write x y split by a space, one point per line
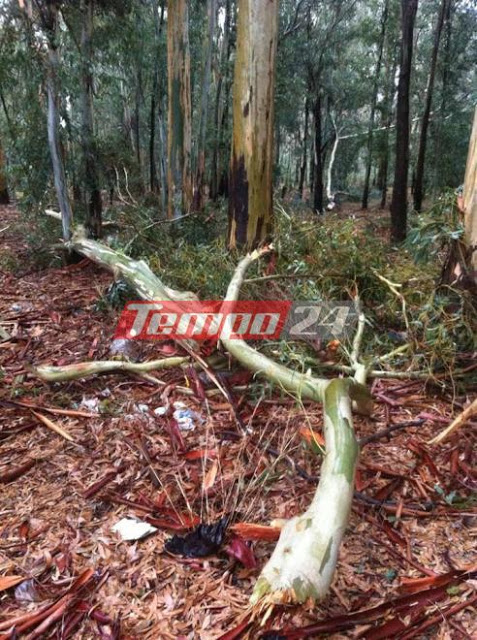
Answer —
304 561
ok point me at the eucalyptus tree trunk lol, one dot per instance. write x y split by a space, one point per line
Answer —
251 165
220 110
158 22
93 194
388 120
421 157
53 60
446 89
304 160
399 201
384 19
179 177
4 197
470 201
204 104
318 158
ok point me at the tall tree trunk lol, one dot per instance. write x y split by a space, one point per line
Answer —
158 22
137 119
222 82
4 197
53 123
204 104
304 159
439 179
179 177
152 130
421 156
93 193
399 200
318 158
384 19
388 120
470 201
251 167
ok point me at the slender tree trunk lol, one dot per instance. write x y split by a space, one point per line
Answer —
152 131
439 179
223 64
470 201
158 22
53 123
318 158
388 111
330 195
421 156
384 19
4 197
304 160
127 118
137 119
251 167
179 177
399 201
93 194
204 104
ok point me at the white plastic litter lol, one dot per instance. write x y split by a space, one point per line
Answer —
133 529
90 404
185 418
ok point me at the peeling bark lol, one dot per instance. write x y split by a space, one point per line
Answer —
470 201
251 165
179 110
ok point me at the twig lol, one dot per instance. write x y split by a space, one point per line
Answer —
455 424
385 432
393 286
54 427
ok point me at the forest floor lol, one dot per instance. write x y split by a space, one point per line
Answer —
413 518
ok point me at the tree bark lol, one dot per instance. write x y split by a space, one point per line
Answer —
304 161
93 194
158 22
439 171
204 105
251 166
219 111
384 19
388 111
470 201
4 196
400 188
179 177
421 156
53 124
318 158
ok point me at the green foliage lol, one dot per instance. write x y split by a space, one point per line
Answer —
436 229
